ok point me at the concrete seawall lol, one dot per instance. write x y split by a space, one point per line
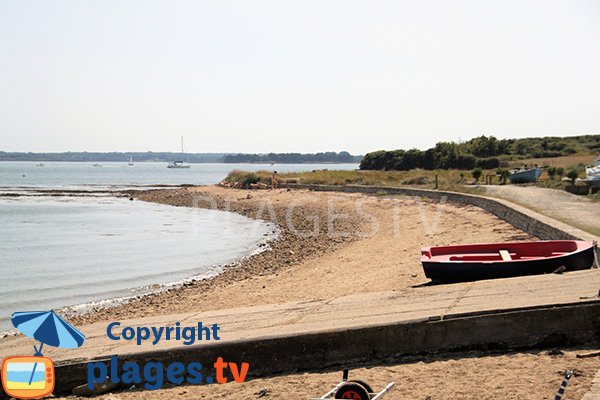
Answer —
526 220
560 325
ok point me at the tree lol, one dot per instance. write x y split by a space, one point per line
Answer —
572 174
483 146
551 172
476 174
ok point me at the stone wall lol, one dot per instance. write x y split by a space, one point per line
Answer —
514 217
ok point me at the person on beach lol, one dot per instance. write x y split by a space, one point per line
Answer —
274 180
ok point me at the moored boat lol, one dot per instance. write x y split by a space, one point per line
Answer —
525 175
179 164
472 262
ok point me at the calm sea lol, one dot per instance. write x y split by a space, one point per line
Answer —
62 250
76 174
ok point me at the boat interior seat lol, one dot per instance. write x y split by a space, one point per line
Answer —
505 255
472 257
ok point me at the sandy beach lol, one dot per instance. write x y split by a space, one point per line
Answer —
371 244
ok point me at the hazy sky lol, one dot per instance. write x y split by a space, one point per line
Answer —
282 76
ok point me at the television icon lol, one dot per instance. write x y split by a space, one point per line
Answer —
28 377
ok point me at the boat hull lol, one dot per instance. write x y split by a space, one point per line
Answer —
178 166
462 271
593 173
530 175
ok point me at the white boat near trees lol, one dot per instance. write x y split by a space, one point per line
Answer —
179 164
592 172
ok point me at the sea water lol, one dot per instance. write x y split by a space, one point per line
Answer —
61 250
84 174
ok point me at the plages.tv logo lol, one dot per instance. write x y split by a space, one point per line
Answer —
32 377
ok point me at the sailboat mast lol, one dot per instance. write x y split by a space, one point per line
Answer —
182 146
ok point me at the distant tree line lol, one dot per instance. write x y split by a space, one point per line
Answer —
113 156
288 158
293 158
486 152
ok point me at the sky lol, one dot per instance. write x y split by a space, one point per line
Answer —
293 76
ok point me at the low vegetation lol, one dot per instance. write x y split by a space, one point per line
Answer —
485 152
297 158
450 179
572 174
446 179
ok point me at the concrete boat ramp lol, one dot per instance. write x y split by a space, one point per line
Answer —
546 310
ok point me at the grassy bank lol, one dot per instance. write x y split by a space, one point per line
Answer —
450 179
447 179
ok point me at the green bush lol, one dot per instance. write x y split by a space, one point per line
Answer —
488 163
503 174
243 178
476 173
551 172
572 174
249 179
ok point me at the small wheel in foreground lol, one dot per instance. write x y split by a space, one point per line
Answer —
352 391
363 384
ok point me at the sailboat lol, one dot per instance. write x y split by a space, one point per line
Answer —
179 163
130 163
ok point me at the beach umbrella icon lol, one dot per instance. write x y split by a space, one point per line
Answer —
48 328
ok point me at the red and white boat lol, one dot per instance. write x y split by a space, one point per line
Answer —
472 262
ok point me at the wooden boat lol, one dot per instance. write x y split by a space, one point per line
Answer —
472 262
525 175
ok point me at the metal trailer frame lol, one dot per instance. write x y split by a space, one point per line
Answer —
372 396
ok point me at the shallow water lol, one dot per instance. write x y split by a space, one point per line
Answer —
61 251
65 251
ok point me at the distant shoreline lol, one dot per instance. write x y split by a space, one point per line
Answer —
199 162
332 157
